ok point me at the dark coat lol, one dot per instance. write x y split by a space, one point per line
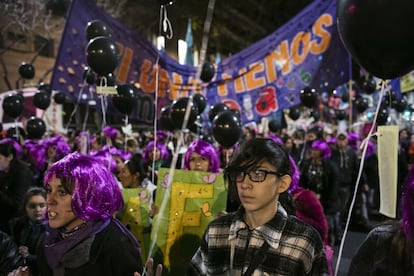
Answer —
111 253
328 195
13 186
9 256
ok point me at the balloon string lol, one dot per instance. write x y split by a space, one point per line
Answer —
203 50
76 106
166 23
86 117
103 102
364 144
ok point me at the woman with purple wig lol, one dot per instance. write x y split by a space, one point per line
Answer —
201 156
389 248
82 237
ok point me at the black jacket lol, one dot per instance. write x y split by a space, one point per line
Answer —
9 256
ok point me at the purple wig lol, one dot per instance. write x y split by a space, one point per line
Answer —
408 205
323 147
60 144
206 150
37 152
95 192
110 132
150 147
105 157
353 139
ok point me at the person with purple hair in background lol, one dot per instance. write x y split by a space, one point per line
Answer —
82 237
389 248
155 155
321 175
201 156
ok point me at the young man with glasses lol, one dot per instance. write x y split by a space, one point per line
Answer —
260 238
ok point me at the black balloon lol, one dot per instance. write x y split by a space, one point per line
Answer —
126 99
13 106
369 85
59 97
361 104
308 97
45 87
26 71
16 133
178 110
340 114
165 120
102 55
123 104
294 113
226 128
89 76
97 28
41 100
378 34
20 95
35 128
382 117
108 80
400 104
216 109
200 101
207 71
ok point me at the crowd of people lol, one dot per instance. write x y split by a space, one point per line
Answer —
289 194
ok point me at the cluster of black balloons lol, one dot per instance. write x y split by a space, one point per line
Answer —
101 52
226 123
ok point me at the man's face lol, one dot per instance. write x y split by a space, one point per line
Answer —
341 142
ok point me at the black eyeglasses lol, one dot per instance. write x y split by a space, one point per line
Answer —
35 205
255 176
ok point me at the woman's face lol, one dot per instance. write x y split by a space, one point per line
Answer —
154 156
119 163
127 179
36 208
5 162
199 163
59 206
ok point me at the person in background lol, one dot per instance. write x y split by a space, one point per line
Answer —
308 208
82 237
15 179
345 157
260 237
155 155
388 249
225 154
201 156
320 175
27 229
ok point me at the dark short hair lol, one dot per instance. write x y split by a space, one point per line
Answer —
252 153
